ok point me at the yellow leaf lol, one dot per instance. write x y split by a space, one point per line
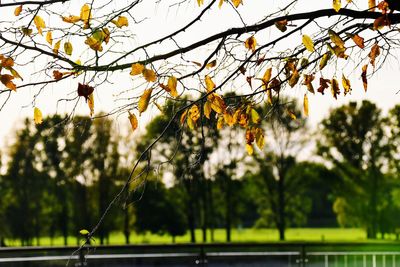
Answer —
14 73
217 103
49 38
305 105
57 47
212 64
94 43
260 138
39 22
251 43
254 116
68 48
149 75
172 84
71 19
85 13
84 232
249 149
372 5
18 10
220 3
120 22
358 40
346 85
308 43
183 116
228 119
6 62
236 3
207 109
324 60
210 85
336 39
267 76
291 114
91 104
136 69
200 2
194 113
220 122
144 100
37 116
294 78
337 5
133 120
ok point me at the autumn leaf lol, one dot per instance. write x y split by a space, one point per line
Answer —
26 31
255 117
228 118
266 78
260 138
236 3
136 69
358 40
120 22
364 77
336 39
37 116
323 84
133 121
294 78
249 149
308 78
346 85
210 85
220 122
194 113
7 62
372 5
57 75
14 73
68 48
84 232
374 53
381 22
149 75
49 38
308 43
335 88
144 100
212 64
85 12
85 90
337 5
6 79
217 103
91 104
200 2
324 60
57 47
305 105
275 85
40 24
220 3
291 114
281 25
172 84
251 43
71 19
17 10
207 109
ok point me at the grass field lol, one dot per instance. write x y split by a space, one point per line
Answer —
238 235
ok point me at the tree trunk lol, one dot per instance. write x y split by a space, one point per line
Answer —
281 204
228 211
126 225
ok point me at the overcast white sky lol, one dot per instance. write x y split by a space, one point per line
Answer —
383 86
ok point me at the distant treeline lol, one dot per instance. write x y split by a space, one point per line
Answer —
61 176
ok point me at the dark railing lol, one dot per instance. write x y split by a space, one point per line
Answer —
282 254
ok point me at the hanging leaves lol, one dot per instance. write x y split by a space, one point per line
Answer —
212 64
372 5
323 84
172 84
308 43
57 75
91 104
281 25
210 85
324 60
294 78
207 109
335 88
6 80
57 47
260 138
251 43
374 53
336 39
200 2
40 24
71 19
305 105
37 116
49 38
358 40
364 77
120 22
144 100
68 48
133 121
236 3
85 90
337 5
346 85
308 78
136 69
17 10
149 75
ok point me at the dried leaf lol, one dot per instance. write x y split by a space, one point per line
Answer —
71 19
372 5
335 88
336 39
281 25
364 77
18 10
136 69
144 100
308 78
251 43
346 85
212 64
210 85
91 104
323 84
85 90
120 22
374 53
358 40
324 60
6 79
57 75
308 43
294 78
133 121
149 75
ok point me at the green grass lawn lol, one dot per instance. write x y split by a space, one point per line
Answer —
238 235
